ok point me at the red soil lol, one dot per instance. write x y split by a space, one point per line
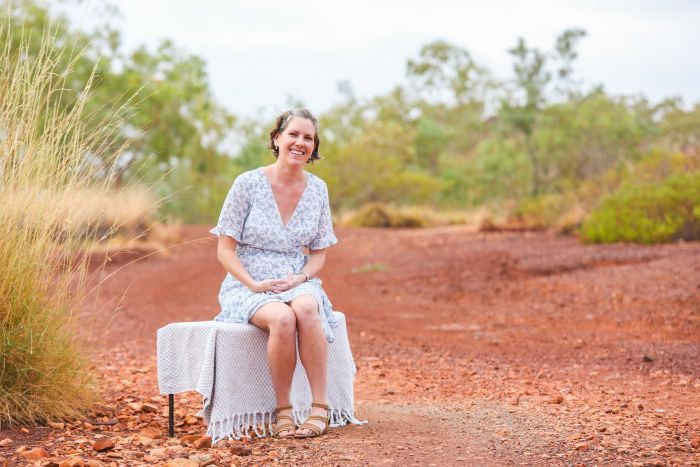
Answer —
481 349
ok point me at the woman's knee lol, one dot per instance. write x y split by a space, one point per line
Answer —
306 310
284 322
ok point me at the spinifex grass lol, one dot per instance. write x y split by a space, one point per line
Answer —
43 151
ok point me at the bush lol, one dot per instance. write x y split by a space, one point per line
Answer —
380 215
648 212
43 171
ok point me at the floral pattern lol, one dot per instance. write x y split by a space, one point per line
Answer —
268 249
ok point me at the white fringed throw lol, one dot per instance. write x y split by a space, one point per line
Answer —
227 364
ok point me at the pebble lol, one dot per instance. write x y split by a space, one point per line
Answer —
203 443
34 454
104 444
241 450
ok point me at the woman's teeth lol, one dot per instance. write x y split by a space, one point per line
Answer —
297 153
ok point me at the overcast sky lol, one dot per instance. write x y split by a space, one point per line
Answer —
260 52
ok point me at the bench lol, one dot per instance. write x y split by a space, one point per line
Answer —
227 364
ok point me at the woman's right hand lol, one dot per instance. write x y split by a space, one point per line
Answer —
270 285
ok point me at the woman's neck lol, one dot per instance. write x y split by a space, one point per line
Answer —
283 174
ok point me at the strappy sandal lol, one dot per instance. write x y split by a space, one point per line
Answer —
287 426
313 428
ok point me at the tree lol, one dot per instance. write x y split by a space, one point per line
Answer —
521 110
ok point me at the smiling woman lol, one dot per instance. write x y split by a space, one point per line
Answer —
270 215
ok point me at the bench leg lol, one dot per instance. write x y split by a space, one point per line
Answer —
171 415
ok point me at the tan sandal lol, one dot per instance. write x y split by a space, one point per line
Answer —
313 428
287 426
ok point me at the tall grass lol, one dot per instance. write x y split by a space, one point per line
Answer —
44 150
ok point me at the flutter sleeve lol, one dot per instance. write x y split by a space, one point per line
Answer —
324 236
235 210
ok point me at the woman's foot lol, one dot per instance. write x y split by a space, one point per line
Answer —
284 424
316 424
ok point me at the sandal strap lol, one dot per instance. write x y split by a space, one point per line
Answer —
284 427
319 418
310 426
283 407
320 405
282 417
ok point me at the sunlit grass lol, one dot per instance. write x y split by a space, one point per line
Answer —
52 207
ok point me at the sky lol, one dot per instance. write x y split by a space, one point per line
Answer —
261 53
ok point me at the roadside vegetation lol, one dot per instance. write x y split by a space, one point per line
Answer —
55 205
535 150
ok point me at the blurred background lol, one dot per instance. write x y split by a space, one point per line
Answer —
581 117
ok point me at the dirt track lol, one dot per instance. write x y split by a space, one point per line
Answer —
479 349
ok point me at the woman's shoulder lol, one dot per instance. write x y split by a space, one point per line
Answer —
317 182
248 178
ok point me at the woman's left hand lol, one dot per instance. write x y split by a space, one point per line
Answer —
292 281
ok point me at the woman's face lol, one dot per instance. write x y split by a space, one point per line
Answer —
296 142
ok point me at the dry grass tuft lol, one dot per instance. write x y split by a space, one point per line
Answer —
52 205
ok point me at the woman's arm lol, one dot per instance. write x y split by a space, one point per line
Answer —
315 263
226 254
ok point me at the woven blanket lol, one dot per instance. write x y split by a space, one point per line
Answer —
227 364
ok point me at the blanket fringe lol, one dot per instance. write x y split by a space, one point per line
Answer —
244 425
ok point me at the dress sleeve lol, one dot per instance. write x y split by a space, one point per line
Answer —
324 236
234 212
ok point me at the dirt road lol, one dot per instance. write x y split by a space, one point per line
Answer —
472 349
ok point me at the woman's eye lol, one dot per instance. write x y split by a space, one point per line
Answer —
308 138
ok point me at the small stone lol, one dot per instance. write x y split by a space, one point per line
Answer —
57 425
34 454
158 452
24 430
6 442
72 462
95 463
104 444
675 461
695 442
558 399
189 439
150 459
514 401
149 408
191 419
647 358
203 443
581 446
182 463
134 406
178 451
151 433
241 450
201 458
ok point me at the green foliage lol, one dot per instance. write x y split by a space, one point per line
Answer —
648 212
452 136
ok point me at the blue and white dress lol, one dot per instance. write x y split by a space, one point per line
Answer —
268 249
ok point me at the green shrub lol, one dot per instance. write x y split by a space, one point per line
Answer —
648 212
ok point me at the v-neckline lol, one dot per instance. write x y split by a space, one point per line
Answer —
274 200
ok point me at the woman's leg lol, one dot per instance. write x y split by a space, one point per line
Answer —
280 321
313 350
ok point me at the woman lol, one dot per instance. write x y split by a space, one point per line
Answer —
269 216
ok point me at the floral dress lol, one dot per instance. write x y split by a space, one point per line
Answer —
268 249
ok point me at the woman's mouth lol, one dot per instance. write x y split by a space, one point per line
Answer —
296 152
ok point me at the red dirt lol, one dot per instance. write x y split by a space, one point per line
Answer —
480 349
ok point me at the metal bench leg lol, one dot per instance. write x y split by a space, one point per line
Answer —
171 415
